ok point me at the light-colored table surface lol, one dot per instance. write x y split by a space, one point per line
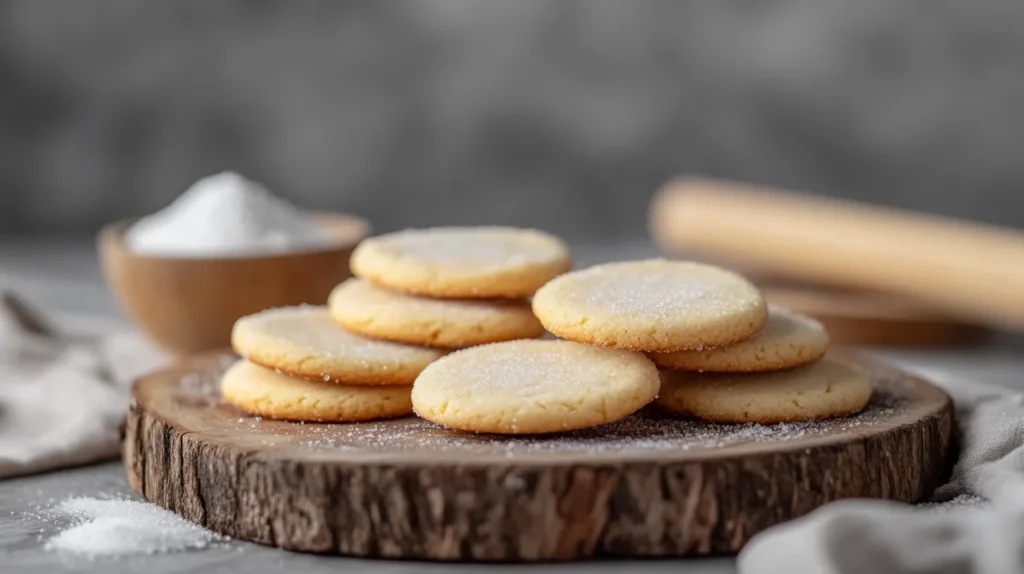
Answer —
64 279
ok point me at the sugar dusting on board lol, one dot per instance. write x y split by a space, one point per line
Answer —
226 214
111 528
646 431
641 432
203 387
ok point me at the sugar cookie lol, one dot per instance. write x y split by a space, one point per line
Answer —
531 387
260 391
788 340
304 342
823 389
462 262
655 305
361 307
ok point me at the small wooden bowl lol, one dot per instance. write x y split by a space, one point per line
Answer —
189 305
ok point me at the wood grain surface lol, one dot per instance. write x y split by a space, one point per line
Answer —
645 487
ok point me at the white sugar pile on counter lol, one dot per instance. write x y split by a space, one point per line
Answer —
125 527
226 214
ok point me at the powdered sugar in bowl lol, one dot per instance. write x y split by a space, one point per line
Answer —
224 249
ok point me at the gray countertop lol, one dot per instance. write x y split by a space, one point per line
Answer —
64 278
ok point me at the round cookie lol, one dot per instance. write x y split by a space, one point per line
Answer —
532 387
462 262
361 307
787 340
304 342
827 388
260 391
655 305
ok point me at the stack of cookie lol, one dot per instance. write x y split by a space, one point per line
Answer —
726 356
698 322
449 288
298 365
382 347
553 386
779 375
357 358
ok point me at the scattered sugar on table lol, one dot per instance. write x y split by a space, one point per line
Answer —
111 528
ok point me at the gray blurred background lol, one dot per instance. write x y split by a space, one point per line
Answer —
561 114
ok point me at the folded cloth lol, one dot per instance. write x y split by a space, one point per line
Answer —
855 536
63 396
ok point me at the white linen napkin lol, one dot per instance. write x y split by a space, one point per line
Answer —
63 395
879 537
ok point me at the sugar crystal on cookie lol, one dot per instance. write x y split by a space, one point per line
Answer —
533 387
655 306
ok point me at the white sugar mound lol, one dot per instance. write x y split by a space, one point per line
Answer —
124 527
226 214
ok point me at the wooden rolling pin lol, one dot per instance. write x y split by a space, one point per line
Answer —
972 270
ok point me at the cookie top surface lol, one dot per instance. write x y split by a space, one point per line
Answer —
305 342
822 389
362 307
462 262
787 340
534 387
261 391
654 305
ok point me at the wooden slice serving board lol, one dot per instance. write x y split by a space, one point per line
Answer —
647 486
